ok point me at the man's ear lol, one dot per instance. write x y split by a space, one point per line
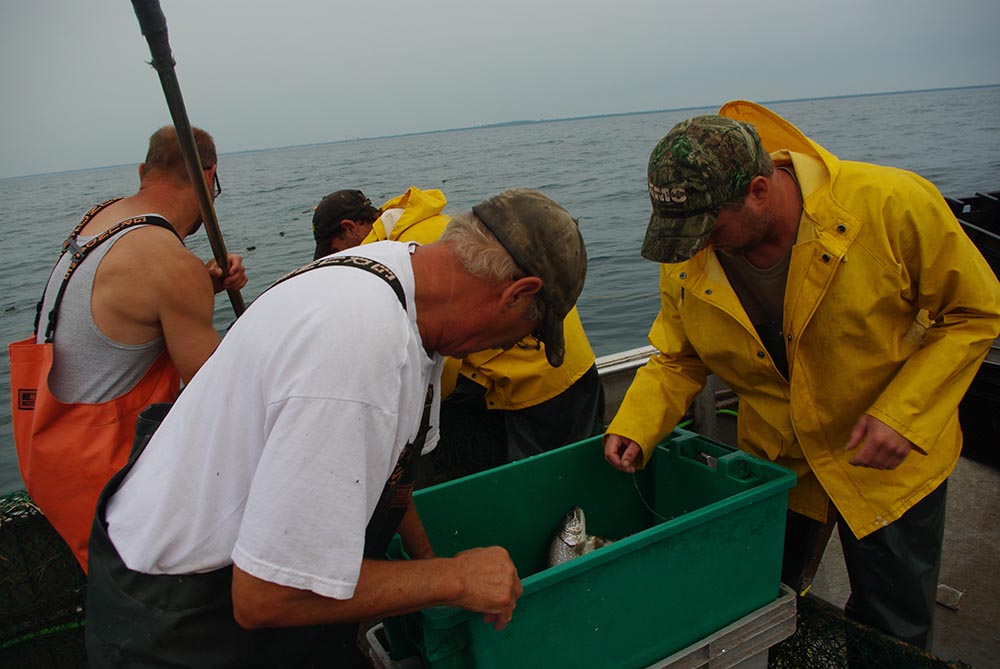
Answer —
759 190
524 288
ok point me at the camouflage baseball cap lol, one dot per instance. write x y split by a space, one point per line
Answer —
544 241
702 163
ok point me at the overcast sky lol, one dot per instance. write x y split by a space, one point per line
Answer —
78 92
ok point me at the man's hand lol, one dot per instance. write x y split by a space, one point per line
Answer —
622 453
490 584
236 276
483 580
881 446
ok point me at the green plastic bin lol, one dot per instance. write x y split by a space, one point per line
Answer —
697 535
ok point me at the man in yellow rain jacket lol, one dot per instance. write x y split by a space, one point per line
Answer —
848 310
542 407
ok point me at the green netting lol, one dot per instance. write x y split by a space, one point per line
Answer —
825 639
41 590
473 441
61 647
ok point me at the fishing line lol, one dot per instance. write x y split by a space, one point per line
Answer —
635 482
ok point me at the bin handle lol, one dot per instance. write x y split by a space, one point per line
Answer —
709 461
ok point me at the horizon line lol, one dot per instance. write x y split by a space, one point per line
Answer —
501 124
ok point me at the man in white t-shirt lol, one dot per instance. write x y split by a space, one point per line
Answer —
252 526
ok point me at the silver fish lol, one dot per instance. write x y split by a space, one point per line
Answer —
571 540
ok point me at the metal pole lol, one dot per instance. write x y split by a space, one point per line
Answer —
154 28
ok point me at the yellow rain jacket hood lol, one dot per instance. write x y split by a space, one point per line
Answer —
889 309
414 216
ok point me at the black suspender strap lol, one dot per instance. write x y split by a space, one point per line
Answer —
367 264
396 493
80 252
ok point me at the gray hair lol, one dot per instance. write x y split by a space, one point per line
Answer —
483 256
479 251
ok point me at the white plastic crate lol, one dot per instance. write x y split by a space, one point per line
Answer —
742 645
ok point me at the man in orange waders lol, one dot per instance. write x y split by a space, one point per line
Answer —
126 315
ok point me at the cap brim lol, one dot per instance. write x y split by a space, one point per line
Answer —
670 240
551 333
322 249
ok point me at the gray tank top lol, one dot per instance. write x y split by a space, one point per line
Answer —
89 367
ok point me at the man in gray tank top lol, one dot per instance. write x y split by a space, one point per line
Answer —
128 313
141 290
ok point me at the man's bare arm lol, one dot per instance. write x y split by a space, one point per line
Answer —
481 579
186 307
149 285
411 531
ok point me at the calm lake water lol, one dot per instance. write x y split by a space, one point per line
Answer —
595 167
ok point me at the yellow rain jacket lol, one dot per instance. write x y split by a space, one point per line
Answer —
889 309
516 378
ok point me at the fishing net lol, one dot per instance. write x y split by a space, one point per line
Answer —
41 591
825 639
472 440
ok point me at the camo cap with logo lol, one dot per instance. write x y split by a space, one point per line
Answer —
701 164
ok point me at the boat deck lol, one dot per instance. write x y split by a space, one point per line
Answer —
968 628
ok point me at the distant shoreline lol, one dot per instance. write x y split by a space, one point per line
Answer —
506 124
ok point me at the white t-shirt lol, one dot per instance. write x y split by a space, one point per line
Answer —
276 453
389 218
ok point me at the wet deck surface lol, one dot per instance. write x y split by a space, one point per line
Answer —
970 565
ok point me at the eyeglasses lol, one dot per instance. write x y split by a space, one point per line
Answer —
216 186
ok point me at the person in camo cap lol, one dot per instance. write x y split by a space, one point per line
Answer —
848 310
251 528
701 166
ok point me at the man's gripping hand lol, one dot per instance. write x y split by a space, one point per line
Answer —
490 584
236 276
622 453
